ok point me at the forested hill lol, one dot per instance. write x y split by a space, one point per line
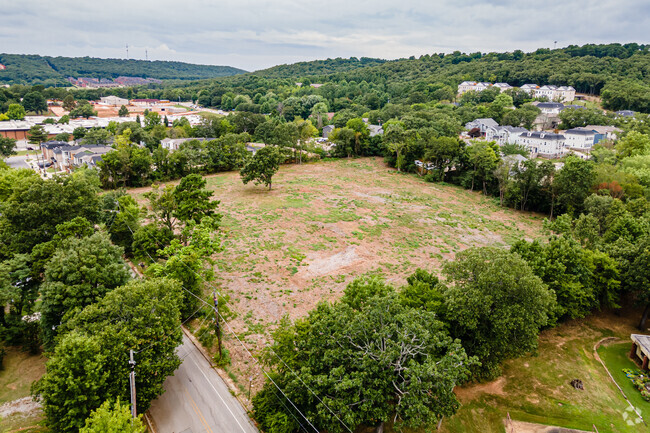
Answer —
318 67
35 69
619 73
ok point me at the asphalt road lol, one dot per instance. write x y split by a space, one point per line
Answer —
196 400
17 161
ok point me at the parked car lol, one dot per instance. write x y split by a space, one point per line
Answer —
44 164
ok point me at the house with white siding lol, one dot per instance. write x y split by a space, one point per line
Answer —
580 138
543 144
482 124
504 134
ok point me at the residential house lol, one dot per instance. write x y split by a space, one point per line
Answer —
530 88
48 147
482 124
580 138
504 134
375 130
640 351
555 93
604 132
502 86
327 130
543 144
172 144
473 86
552 108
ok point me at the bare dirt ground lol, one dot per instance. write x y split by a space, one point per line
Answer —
324 224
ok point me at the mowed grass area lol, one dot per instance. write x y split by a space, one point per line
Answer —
537 388
20 370
324 224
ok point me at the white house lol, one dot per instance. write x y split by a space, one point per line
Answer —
482 124
553 93
580 138
543 144
466 86
502 86
552 108
504 134
529 88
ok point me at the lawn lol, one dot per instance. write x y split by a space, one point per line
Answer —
615 356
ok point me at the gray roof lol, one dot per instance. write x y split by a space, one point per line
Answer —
580 131
488 121
643 341
543 135
625 113
53 144
550 105
514 128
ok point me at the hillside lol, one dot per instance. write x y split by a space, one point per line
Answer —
317 67
617 72
35 69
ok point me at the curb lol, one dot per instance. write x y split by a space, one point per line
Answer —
231 386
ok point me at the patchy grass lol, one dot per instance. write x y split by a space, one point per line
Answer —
537 388
324 224
20 370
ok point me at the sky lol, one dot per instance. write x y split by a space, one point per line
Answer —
256 34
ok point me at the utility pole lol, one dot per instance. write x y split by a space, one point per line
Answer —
132 383
218 326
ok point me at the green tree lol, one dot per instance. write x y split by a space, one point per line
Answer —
442 152
79 273
34 101
113 417
34 208
124 112
69 103
83 110
384 361
7 146
37 134
16 112
495 305
74 382
573 183
633 144
397 142
79 132
193 200
90 363
262 166
483 158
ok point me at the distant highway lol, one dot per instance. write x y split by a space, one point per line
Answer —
196 400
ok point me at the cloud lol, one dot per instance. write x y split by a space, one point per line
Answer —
254 34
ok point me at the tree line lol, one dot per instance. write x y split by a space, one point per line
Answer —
65 286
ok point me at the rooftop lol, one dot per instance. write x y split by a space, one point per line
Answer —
643 341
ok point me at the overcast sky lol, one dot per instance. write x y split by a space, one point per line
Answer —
255 34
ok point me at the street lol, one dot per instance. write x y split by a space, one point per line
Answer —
196 400
17 161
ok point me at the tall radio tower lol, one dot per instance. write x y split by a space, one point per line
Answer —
146 55
127 51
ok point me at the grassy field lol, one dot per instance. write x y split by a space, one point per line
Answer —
324 224
20 370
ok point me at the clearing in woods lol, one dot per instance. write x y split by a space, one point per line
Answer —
324 224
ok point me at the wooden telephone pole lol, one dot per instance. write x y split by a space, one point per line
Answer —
132 383
218 325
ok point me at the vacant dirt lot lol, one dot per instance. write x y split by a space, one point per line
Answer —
324 224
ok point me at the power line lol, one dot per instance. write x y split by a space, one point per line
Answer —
218 314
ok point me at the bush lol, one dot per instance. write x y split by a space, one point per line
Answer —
224 359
